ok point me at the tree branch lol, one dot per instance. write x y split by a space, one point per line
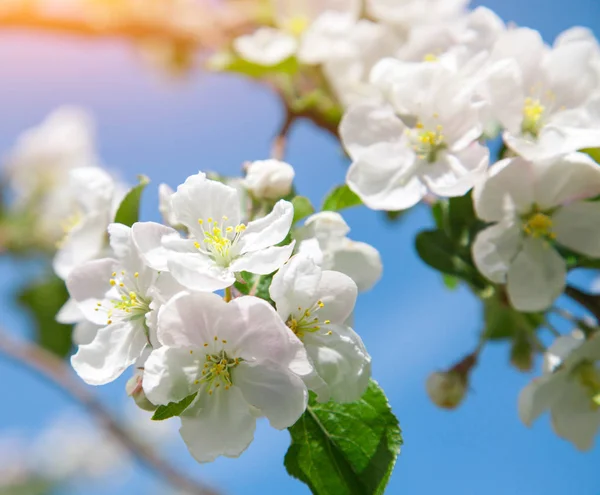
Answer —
280 141
57 373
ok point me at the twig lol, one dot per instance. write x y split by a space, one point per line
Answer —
57 373
280 141
588 301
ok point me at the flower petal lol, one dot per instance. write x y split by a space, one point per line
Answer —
84 333
338 294
70 313
148 236
279 394
495 248
170 373
198 272
540 395
360 261
264 261
576 227
266 46
218 425
269 230
536 277
115 348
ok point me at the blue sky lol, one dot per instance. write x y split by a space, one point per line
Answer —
411 324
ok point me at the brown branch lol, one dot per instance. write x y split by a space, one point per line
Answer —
56 372
280 141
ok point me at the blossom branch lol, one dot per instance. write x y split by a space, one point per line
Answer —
280 141
54 371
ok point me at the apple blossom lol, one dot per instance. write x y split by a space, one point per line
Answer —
406 13
569 387
219 246
269 179
122 296
423 140
323 238
315 305
238 358
533 207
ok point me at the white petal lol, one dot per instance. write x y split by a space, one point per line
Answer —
574 418
338 294
526 47
264 261
560 350
280 395
147 236
88 285
540 395
70 313
170 373
199 272
85 242
495 248
570 178
328 38
218 425
266 46
309 10
342 361
384 177
269 230
536 277
576 227
360 261
295 285
202 198
115 348
506 94
93 187
454 174
364 125
189 320
84 333
510 185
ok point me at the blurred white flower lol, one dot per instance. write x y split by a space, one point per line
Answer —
569 387
533 206
407 13
269 179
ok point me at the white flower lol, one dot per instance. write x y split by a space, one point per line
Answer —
314 30
569 388
406 13
236 356
219 245
546 99
323 238
315 305
123 296
424 140
84 330
269 179
165 207
95 199
533 206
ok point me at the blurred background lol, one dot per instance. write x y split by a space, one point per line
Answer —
169 126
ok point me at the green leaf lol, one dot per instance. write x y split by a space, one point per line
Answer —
461 218
339 198
594 153
302 208
256 285
502 321
129 209
43 300
173 408
345 449
450 282
231 62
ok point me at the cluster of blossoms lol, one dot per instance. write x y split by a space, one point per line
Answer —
144 295
424 85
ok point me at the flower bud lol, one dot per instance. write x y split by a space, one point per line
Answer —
447 389
269 179
521 354
135 390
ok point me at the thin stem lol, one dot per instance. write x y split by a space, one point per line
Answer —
279 146
552 329
228 296
58 374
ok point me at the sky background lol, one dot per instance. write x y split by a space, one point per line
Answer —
166 129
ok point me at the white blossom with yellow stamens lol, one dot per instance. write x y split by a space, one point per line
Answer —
218 246
122 296
546 99
533 206
240 360
423 138
315 305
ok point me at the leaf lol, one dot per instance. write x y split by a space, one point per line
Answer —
231 62
346 449
339 198
173 408
594 153
302 208
503 321
461 218
256 285
129 209
43 300
450 282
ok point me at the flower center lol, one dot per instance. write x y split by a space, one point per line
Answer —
427 143
430 57
296 25
588 375
219 239
126 303
68 224
305 321
533 114
539 225
217 370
